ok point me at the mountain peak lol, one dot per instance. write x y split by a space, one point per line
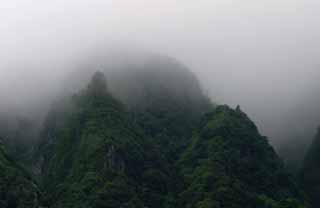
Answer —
98 84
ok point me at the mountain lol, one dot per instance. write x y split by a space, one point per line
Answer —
99 158
165 98
17 189
149 137
310 171
96 152
162 93
229 164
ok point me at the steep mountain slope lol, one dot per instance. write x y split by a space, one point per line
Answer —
163 94
166 100
310 171
17 189
229 164
97 152
98 158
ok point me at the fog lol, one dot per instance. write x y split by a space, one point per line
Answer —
263 55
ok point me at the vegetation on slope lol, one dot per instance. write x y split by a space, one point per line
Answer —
99 159
166 100
229 164
163 95
97 154
156 150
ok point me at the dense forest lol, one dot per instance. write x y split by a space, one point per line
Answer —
149 138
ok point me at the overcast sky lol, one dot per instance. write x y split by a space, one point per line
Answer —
263 55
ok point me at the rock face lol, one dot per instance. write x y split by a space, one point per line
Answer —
17 189
310 172
229 164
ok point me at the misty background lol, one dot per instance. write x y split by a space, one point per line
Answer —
262 55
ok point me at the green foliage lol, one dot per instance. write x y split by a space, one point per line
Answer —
228 164
95 153
99 159
161 152
166 101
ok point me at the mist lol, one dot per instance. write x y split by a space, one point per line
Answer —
262 55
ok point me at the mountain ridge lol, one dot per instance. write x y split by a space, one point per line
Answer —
169 147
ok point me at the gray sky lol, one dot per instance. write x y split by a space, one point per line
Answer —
263 55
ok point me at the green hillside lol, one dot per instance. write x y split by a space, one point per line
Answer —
229 164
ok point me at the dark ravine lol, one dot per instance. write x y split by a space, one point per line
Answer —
310 172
